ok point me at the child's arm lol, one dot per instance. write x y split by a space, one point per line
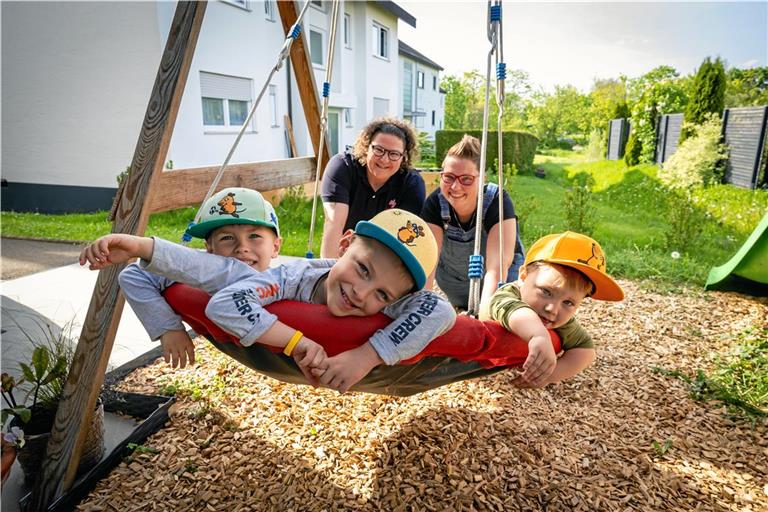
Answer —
143 291
516 317
572 362
115 248
418 319
176 262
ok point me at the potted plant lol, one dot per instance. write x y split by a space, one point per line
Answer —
42 385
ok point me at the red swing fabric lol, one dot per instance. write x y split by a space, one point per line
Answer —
487 342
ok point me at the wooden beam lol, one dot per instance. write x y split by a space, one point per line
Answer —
291 139
98 335
305 79
187 187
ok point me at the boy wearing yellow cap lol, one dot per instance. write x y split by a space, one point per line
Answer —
235 222
560 271
383 268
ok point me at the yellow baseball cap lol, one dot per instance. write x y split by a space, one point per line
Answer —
408 236
581 253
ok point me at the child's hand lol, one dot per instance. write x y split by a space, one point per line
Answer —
114 249
540 363
177 349
346 369
311 358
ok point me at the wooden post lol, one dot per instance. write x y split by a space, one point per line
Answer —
291 139
305 80
132 212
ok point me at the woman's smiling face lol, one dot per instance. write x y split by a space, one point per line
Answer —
463 198
381 168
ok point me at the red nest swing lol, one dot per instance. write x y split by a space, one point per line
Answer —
472 348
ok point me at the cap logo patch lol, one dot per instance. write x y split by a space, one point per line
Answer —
410 232
228 206
598 255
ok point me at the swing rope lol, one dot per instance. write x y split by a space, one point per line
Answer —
475 272
323 124
285 51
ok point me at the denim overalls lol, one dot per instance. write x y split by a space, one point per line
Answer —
459 245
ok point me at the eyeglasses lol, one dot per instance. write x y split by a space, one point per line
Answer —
393 155
464 179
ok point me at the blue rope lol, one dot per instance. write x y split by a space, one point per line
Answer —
296 31
475 266
496 13
326 89
186 237
501 71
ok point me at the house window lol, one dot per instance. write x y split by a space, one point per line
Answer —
380 41
269 10
243 4
319 4
273 105
434 82
347 30
407 86
226 100
316 50
420 79
433 118
348 117
380 107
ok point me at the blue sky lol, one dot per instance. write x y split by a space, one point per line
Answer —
573 43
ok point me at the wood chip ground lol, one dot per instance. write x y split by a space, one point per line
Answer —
250 443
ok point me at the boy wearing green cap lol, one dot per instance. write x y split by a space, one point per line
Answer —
237 223
559 272
383 267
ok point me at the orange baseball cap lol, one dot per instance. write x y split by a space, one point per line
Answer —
581 253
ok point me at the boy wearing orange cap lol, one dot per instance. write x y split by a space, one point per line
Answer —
560 271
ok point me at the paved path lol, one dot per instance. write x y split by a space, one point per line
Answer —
20 258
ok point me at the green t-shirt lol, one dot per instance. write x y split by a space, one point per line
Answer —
507 299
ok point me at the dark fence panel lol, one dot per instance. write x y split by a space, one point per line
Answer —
618 133
744 133
667 136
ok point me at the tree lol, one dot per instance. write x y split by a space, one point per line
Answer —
563 113
707 95
465 100
607 98
657 92
746 87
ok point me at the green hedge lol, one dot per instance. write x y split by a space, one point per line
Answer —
519 147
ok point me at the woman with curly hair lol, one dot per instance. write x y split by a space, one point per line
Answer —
372 176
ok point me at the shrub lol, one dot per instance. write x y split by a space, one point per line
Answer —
633 150
579 209
519 147
426 147
698 159
596 147
684 223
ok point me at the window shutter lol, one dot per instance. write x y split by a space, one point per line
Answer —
222 86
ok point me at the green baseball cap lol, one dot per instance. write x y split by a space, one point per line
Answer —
235 206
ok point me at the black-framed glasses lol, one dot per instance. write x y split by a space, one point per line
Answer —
464 179
393 155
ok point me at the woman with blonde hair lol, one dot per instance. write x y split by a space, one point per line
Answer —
375 175
451 214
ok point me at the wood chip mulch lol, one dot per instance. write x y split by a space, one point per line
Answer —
244 442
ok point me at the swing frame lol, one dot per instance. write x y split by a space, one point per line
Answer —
147 189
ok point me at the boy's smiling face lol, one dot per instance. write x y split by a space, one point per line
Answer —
253 245
547 291
366 278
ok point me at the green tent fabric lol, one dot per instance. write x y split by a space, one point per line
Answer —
747 271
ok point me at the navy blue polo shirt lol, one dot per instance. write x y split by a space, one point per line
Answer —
345 181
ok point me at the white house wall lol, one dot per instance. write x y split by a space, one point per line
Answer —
76 77
236 42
